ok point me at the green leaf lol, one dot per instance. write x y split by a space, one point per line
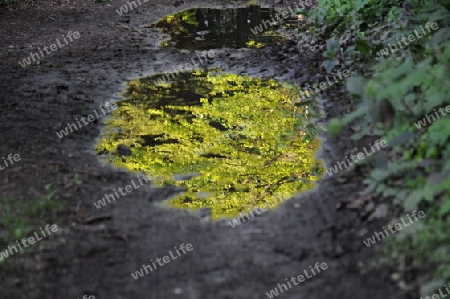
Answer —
431 287
334 126
356 85
362 46
330 64
333 45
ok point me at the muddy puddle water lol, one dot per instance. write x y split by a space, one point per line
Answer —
207 28
232 142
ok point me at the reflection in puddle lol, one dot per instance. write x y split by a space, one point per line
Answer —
233 142
207 28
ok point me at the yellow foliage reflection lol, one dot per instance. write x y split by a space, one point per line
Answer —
247 139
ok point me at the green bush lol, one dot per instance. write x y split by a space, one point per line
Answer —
398 92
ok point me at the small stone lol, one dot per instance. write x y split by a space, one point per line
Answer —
402 285
338 250
380 212
396 276
341 179
362 232
184 177
177 291
123 150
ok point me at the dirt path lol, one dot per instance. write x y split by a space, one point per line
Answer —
96 257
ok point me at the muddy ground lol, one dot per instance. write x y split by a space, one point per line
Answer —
95 251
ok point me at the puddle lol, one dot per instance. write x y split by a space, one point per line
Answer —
207 28
233 142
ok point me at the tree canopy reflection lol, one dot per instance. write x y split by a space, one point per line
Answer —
248 139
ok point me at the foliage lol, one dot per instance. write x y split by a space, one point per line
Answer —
395 93
210 28
254 44
249 140
179 23
17 215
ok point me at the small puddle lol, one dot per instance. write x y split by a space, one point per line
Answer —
233 142
207 28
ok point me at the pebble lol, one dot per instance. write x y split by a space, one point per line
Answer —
123 150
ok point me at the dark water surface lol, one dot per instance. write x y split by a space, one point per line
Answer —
208 28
